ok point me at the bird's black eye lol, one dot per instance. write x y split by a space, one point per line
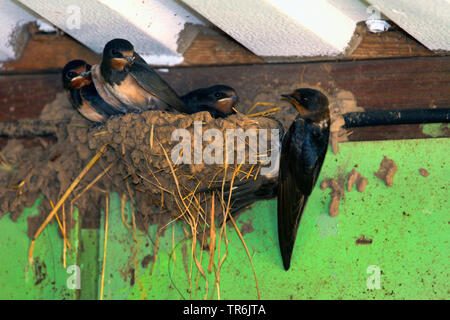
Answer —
115 53
218 95
71 74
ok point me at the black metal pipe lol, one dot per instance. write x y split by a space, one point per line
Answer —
393 117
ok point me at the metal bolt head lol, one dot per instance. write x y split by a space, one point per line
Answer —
377 25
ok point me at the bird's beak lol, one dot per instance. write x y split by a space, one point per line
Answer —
130 60
79 81
286 97
289 98
234 99
231 101
77 78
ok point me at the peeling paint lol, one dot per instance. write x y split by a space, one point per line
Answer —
341 102
434 130
328 226
46 27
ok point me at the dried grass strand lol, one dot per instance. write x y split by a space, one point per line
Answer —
104 246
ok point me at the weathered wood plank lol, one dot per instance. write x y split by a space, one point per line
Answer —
371 84
386 84
217 49
24 96
394 43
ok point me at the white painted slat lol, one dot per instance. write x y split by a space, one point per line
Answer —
153 26
428 21
286 28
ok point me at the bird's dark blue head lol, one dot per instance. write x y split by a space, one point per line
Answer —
118 54
308 102
76 74
220 98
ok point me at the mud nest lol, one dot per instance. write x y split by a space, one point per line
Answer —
136 164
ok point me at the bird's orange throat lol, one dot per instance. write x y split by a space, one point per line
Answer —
119 64
302 110
225 105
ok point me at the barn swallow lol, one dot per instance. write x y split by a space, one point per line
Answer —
134 82
218 100
303 151
83 94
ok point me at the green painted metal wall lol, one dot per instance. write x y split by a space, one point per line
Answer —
46 277
408 224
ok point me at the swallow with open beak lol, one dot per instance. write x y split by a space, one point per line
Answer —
219 100
133 82
83 94
303 151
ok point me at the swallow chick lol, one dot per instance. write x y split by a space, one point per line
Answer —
219 100
303 151
83 94
133 82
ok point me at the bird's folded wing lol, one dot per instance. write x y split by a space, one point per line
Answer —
303 151
91 95
151 82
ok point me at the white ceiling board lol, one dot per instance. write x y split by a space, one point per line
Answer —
286 28
12 17
428 21
355 10
153 26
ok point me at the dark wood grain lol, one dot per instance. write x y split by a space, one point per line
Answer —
24 96
406 83
394 43
376 84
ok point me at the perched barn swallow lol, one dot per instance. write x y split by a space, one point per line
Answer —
303 151
218 100
134 82
83 94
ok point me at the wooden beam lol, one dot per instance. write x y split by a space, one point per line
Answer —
24 96
394 43
382 84
217 49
